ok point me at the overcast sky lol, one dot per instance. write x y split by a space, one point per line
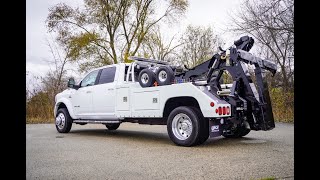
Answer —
212 13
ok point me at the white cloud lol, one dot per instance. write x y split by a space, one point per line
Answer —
37 49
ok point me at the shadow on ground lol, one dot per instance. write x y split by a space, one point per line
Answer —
150 137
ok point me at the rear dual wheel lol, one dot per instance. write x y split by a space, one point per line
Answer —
187 127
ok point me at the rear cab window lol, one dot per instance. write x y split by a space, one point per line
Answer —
107 75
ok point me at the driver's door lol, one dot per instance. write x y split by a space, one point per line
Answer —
82 98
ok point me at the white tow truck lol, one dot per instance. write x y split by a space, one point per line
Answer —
152 92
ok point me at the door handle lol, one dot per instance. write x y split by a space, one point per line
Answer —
88 91
110 89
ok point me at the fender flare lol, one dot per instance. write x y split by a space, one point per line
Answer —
165 106
68 104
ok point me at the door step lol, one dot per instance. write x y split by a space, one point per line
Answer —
96 121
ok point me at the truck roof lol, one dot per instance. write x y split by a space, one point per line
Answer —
127 64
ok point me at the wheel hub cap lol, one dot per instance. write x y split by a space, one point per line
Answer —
162 76
60 120
144 78
182 126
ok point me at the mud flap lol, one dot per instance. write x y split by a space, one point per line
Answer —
215 128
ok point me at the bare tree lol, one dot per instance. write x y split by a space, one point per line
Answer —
55 80
156 46
270 22
106 31
198 44
40 97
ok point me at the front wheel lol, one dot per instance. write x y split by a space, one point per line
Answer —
63 121
184 126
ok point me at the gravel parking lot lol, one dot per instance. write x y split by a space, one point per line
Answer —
145 152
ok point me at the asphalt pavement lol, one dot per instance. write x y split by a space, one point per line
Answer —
137 151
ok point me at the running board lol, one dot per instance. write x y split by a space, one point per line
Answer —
96 121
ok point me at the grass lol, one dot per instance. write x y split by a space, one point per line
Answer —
268 178
282 105
39 120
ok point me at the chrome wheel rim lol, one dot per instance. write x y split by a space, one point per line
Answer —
162 76
144 78
182 126
60 120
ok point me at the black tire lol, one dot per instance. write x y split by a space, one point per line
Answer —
166 77
194 137
244 132
146 78
112 126
239 132
204 132
63 126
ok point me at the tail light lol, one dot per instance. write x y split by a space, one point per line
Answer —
212 104
225 110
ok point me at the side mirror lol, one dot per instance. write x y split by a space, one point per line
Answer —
71 83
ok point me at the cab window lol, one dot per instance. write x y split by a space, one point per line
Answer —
107 75
90 79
